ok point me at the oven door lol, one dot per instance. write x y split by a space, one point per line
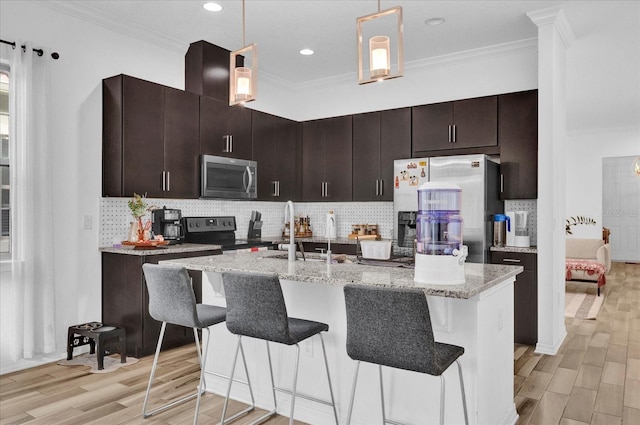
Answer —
228 178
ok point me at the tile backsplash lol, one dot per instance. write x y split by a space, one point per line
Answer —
115 217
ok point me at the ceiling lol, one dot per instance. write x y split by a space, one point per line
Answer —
282 28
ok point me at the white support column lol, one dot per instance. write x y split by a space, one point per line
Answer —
554 38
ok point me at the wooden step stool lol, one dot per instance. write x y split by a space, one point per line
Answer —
96 334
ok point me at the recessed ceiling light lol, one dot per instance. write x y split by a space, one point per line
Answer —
434 21
212 7
306 52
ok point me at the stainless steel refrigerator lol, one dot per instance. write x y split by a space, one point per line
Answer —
479 178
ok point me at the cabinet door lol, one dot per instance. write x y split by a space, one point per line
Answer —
263 130
338 158
313 152
288 159
395 143
224 130
476 122
181 145
525 294
142 137
366 157
518 135
430 127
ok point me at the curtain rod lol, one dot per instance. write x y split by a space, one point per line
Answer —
40 52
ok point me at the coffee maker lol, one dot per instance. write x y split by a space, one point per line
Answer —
168 223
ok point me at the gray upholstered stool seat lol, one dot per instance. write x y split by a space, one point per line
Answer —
256 308
392 327
171 300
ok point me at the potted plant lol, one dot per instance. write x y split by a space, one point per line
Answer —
139 207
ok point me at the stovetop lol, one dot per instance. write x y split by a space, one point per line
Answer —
218 230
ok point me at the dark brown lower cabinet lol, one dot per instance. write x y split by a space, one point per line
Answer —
125 301
525 294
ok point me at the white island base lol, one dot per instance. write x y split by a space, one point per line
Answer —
482 324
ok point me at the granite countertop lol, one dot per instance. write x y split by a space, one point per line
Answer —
168 249
339 240
479 277
530 250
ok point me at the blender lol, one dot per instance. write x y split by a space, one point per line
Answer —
440 254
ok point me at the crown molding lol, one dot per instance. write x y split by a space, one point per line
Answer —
86 13
487 52
557 17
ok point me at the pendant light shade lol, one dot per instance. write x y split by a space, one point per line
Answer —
243 65
636 166
382 48
242 83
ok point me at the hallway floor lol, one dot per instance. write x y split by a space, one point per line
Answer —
595 377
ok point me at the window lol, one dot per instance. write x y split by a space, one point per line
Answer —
5 202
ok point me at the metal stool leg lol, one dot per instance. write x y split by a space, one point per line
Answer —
273 383
464 398
384 415
226 400
203 361
174 403
295 384
442 388
326 365
353 392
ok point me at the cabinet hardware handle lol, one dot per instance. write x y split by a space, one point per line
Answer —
377 191
501 183
163 181
227 145
510 260
168 181
278 183
231 143
454 133
449 133
275 190
381 187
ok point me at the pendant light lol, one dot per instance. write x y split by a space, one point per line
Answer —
243 64
380 46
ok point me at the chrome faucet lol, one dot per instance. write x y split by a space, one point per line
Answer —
292 246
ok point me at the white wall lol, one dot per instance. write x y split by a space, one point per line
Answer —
88 53
584 172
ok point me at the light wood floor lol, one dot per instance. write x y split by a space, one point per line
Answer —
594 379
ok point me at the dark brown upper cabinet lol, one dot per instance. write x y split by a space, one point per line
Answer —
150 139
468 123
224 130
277 150
378 139
518 135
206 70
326 159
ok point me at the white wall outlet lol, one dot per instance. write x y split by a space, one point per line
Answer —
87 222
307 347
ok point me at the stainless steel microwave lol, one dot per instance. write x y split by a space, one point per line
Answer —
228 178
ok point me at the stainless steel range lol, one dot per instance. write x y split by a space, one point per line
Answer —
218 231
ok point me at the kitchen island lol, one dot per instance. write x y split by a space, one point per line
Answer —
477 315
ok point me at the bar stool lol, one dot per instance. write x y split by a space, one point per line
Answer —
256 308
171 300
392 327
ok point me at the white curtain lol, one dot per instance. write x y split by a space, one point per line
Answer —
32 330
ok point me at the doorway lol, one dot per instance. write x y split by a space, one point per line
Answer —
621 207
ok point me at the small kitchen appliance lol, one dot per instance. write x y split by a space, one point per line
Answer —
167 222
440 254
511 230
522 239
228 178
501 225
